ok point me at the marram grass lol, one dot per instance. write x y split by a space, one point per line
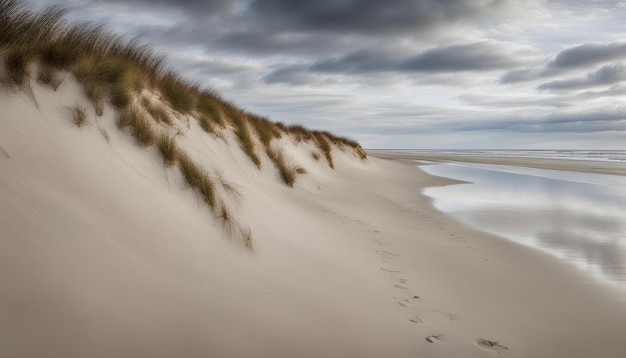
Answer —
113 72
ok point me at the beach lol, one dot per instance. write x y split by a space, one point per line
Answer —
531 302
350 262
106 252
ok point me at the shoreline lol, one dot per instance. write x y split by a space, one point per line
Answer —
584 166
351 262
531 302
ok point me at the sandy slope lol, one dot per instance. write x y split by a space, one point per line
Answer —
104 253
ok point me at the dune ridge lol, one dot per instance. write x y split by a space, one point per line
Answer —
150 102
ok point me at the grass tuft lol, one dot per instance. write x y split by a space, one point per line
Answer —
168 149
288 173
246 141
49 77
140 127
105 135
265 129
246 234
157 111
206 124
208 105
324 146
79 116
182 95
198 179
16 66
227 186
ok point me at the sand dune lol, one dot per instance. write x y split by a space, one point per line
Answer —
105 252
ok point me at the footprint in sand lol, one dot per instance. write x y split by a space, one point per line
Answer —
449 315
417 320
493 345
6 154
434 338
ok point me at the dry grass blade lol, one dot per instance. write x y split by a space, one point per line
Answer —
167 148
198 179
287 172
79 116
205 124
140 127
157 111
16 65
226 185
246 141
324 146
48 77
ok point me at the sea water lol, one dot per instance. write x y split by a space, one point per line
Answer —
579 217
595 155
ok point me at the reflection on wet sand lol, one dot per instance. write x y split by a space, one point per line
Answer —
578 221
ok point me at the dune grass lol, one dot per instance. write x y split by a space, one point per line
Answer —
198 179
245 136
113 71
167 148
105 134
206 124
16 65
323 144
209 106
299 132
288 173
79 116
49 77
157 111
140 127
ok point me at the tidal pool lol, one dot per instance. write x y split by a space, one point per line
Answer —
578 217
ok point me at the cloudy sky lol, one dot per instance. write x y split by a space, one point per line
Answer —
401 73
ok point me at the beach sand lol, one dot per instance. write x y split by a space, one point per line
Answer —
106 253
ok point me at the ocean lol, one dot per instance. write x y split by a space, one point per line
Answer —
577 217
594 155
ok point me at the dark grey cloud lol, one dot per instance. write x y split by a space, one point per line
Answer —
294 75
212 67
588 54
373 16
574 58
607 75
613 91
520 75
495 101
281 44
198 7
479 56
